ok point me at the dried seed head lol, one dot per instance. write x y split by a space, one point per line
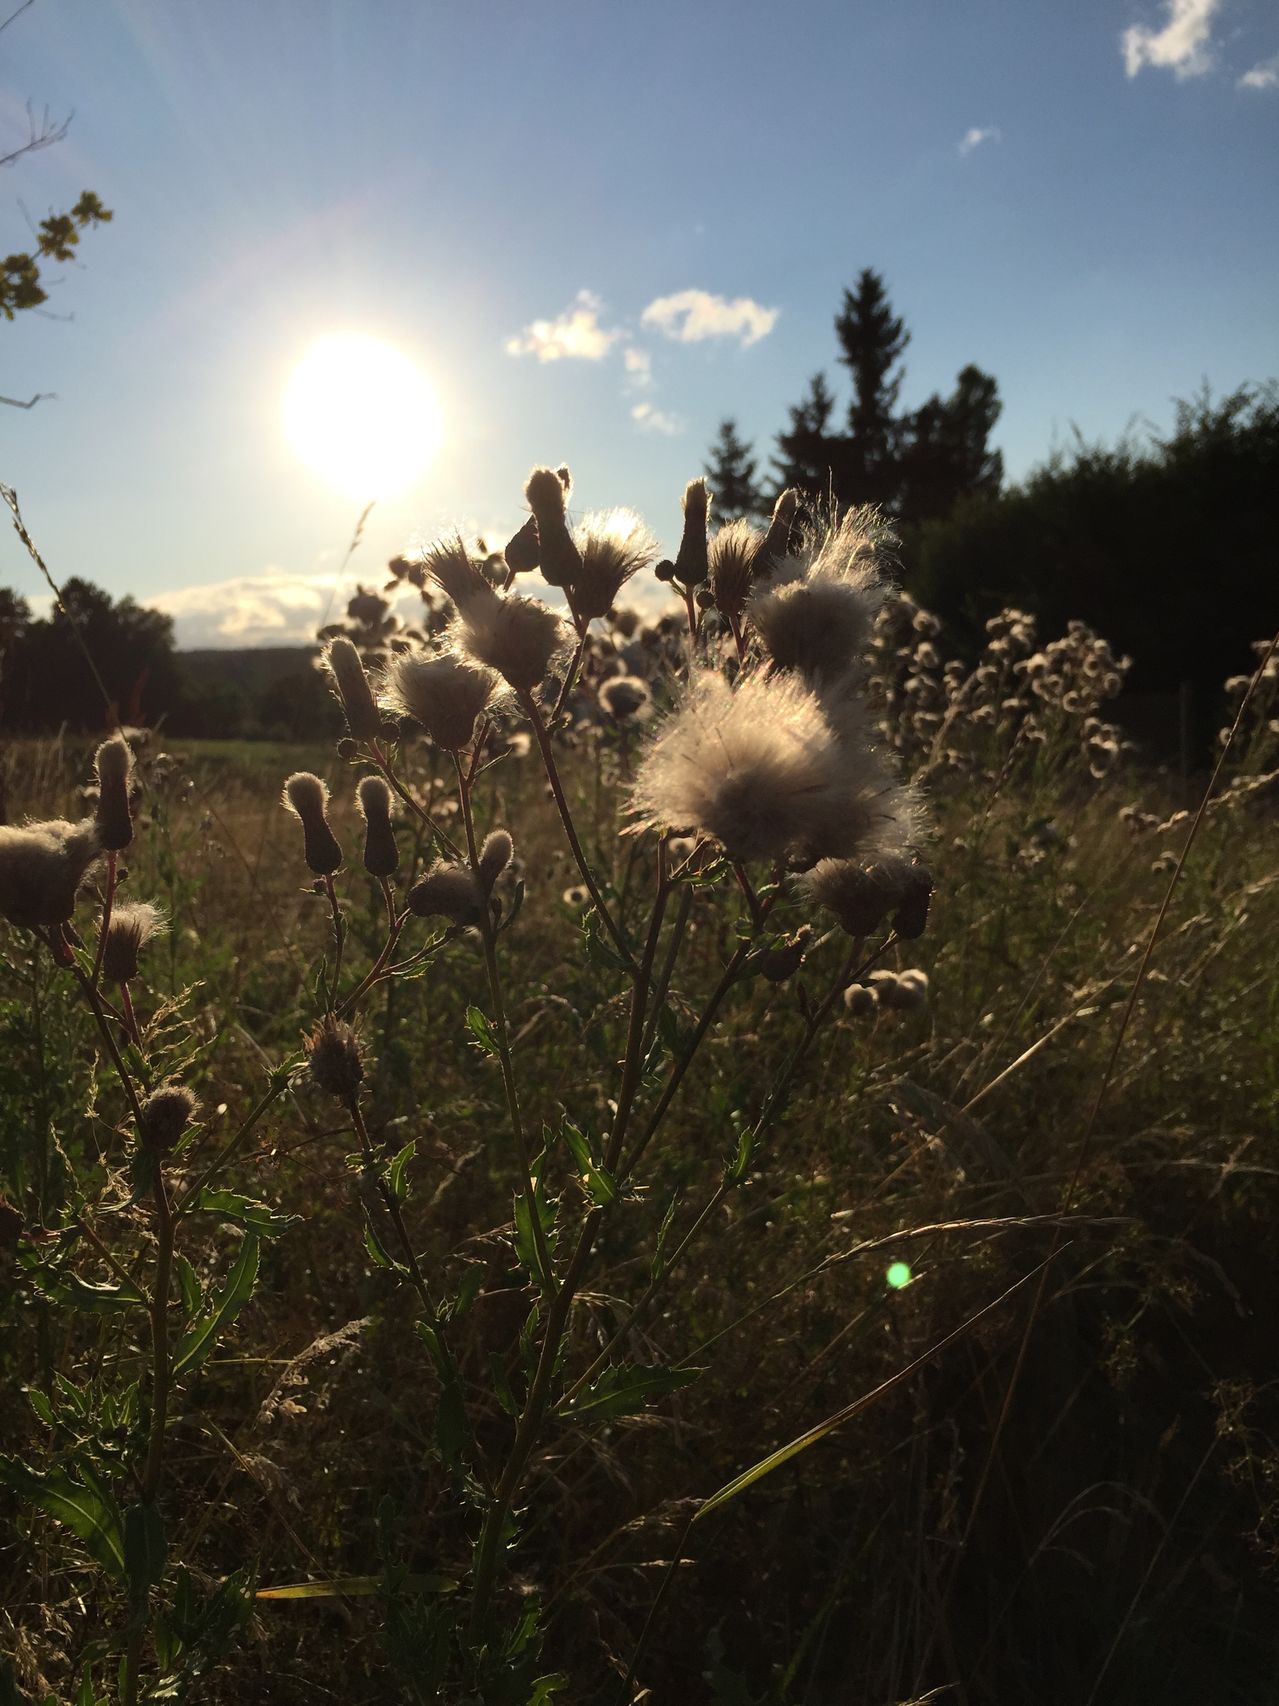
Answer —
861 1001
166 1114
335 1060
446 694
307 797
911 992
613 547
522 550
495 855
345 666
381 855
691 565
626 698
113 764
862 896
517 637
450 565
560 559
42 867
821 624
731 557
448 891
131 927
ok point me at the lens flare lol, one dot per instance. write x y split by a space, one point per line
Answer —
899 1275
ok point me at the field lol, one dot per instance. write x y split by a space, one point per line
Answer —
994 1250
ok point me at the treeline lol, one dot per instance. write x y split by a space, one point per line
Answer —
95 660
1163 544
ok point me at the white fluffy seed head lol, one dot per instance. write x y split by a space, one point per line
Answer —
445 694
759 767
518 637
42 866
731 557
816 616
448 891
613 545
132 926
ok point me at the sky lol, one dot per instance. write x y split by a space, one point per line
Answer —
596 228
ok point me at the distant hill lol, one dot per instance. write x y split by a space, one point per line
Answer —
250 668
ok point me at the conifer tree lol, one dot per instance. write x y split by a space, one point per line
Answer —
808 450
731 475
872 340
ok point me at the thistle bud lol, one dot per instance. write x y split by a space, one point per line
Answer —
911 918
334 1058
777 964
381 855
777 540
345 666
130 928
447 891
522 551
166 1114
495 856
690 560
113 764
665 570
308 799
560 559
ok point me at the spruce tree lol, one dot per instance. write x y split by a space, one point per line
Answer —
872 340
808 451
731 475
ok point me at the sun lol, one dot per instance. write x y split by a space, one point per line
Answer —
362 416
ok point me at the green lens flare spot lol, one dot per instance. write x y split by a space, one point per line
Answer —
899 1275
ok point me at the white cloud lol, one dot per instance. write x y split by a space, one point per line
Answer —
576 333
977 135
1180 46
649 419
689 316
1262 76
274 608
639 367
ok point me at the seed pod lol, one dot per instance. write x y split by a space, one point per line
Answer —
130 928
307 797
495 856
334 1057
113 764
560 559
381 855
166 1114
345 666
691 564
447 891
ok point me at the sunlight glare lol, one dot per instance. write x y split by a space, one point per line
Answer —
361 416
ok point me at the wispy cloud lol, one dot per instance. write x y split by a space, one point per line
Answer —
977 135
575 334
649 419
689 316
277 607
1262 76
639 367
1182 45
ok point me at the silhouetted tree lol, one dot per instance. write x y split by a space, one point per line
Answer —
872 341
808 451
946 452
731 473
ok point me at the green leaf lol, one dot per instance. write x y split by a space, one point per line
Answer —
481 1030
601 953
395 1179
41 1405
93 1299
375 1247
196 1344
242 1211
354 1587
623 1390
526 1244
88 1510
145 1550
599 1182
468 1289
189 1286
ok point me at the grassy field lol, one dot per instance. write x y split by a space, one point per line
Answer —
1014 1241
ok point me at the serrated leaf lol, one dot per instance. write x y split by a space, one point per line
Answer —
600 1183
87 1509
481 1030
601 953
93 1299
200 1339
242 1211
526 1243
189 1286
395 1178
41 1405
623 1390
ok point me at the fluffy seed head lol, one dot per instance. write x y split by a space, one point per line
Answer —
821 624
691 565
495 855
911 992
307 797
381 855
731 558
166 1114
42 867
345 666
759 767
446 694
560 559
517 637
626 698
861 1001
862 896
132 926
448 891
613 547
450 565
113 764
335 1060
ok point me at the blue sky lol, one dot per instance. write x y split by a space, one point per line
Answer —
449 175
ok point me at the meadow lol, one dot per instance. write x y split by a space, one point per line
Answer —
666 1256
